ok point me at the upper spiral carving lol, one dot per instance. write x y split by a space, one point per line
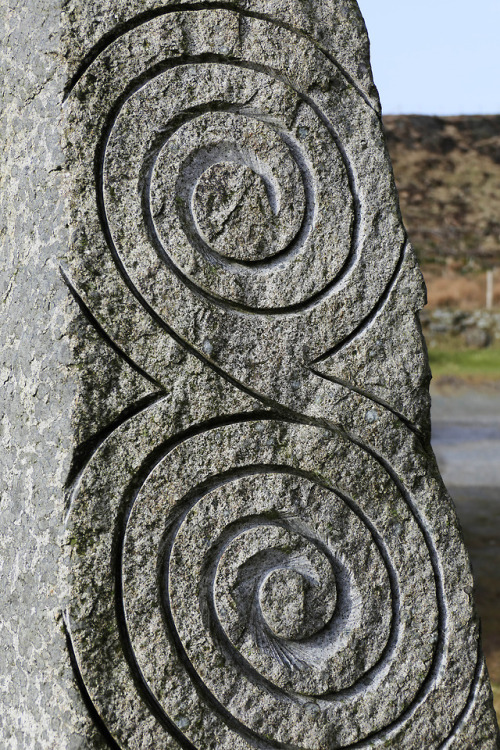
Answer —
275 231
232 189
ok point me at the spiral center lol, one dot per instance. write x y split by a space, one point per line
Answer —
293 606
236 210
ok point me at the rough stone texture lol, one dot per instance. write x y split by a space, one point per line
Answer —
262 551
40 706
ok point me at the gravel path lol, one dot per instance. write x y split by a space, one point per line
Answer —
466 440
466 437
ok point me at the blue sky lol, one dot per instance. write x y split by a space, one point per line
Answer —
436 57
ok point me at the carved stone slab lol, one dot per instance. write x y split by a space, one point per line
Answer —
263 554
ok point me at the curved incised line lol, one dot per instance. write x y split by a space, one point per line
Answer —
440 649
149 15
209 59
189 501
363 326
460 722
227 151
89 703
157 456
374 312
103 334
373 397
85 451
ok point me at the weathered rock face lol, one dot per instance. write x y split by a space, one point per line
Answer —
262 551
39 703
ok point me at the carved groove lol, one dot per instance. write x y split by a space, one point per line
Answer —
365 323
149 15
93 712
427 684
372 397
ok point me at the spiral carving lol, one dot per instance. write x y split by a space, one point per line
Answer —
255 525
241 571
199 147
255 197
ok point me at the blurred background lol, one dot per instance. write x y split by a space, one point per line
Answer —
436 65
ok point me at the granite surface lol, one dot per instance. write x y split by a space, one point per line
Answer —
255 548
40 705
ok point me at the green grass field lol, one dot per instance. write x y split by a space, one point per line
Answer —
473 364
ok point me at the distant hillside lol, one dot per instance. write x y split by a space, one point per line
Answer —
448 173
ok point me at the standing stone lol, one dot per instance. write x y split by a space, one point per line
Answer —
261 551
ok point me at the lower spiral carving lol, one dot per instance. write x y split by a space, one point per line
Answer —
262 624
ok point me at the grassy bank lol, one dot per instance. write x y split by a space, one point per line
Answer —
467 364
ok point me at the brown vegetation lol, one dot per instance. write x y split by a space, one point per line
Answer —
450 287
448 174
